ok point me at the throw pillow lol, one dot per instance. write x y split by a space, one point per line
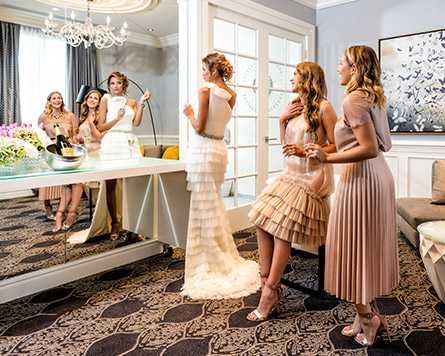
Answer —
438 182
171 153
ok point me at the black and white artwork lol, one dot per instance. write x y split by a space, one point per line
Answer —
413 75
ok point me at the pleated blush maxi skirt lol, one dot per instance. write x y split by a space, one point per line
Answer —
361 244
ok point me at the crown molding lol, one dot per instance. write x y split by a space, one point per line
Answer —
322 4
36 20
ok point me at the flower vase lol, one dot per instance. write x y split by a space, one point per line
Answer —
13 168
33 164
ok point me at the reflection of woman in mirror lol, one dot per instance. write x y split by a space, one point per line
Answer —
213 267
55 113
87 129
117 116
294 207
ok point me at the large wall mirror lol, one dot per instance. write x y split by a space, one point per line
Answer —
150 60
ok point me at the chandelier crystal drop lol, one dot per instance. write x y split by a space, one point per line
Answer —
76 33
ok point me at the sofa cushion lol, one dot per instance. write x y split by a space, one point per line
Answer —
171 153
419 210
438 182
153 151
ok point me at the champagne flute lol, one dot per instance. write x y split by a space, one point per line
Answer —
309 137
130 139
86 142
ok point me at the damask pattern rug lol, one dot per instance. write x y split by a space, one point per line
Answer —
136 310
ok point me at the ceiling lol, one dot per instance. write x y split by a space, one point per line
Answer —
163 19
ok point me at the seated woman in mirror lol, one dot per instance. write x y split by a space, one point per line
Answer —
55 113
87 132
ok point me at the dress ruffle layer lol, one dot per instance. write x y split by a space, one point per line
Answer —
287 210
214 269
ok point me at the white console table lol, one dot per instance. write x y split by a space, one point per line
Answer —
155 189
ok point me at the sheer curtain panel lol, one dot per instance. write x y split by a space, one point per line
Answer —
9 73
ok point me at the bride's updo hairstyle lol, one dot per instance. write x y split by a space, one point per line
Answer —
122 77
220 63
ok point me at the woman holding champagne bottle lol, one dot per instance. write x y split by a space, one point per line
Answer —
88 131
294 207
117 116
55 113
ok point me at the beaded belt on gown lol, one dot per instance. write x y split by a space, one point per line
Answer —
213 137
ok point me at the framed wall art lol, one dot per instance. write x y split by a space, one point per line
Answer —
413 75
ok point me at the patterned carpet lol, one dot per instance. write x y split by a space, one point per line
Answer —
137 310
27 242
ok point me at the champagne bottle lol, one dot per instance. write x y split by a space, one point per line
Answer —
63 146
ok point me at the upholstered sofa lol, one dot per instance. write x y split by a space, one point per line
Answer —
157 151
411 212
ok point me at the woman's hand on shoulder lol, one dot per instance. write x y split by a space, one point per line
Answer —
290 149
291 111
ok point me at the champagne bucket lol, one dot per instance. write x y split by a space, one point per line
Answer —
61 163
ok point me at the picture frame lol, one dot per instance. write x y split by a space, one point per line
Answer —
413 76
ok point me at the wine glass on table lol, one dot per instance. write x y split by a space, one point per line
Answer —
86 142
130 138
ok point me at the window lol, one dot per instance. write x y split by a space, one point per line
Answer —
42 70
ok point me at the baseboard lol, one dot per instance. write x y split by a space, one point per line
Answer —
33 282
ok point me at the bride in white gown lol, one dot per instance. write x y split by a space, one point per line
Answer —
213 267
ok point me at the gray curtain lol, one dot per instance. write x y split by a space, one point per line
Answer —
9 73
82 70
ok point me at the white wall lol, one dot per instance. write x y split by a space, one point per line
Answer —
364 22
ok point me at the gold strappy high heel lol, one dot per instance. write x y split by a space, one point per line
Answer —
115 227
353 330
71 219
257 314
60 217
383 326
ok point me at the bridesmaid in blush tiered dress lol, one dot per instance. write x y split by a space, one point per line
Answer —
213 267
361 246
294 207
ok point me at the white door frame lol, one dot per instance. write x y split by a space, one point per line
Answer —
194 44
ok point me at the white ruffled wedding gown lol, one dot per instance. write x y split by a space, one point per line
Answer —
213 267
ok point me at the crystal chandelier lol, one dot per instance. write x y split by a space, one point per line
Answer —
76 33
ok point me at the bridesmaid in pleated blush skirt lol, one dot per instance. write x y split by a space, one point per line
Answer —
361 242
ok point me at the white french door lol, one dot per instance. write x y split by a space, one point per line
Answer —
264 58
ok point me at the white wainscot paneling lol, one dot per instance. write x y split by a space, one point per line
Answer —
410 160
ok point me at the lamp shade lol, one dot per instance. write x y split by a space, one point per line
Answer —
84 90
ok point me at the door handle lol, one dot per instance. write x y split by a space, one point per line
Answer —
267 139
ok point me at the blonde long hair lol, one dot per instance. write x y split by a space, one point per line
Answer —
367 74
312 90
49 109
84 109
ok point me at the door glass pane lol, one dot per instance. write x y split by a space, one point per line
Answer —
228 193
275 157
246 190
246 130
224 35
229 135
246 41
289 74
274 174
276 103
247 73
276 76
293 52
274 129
276 49
291 96
231 164
246 102
246 160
